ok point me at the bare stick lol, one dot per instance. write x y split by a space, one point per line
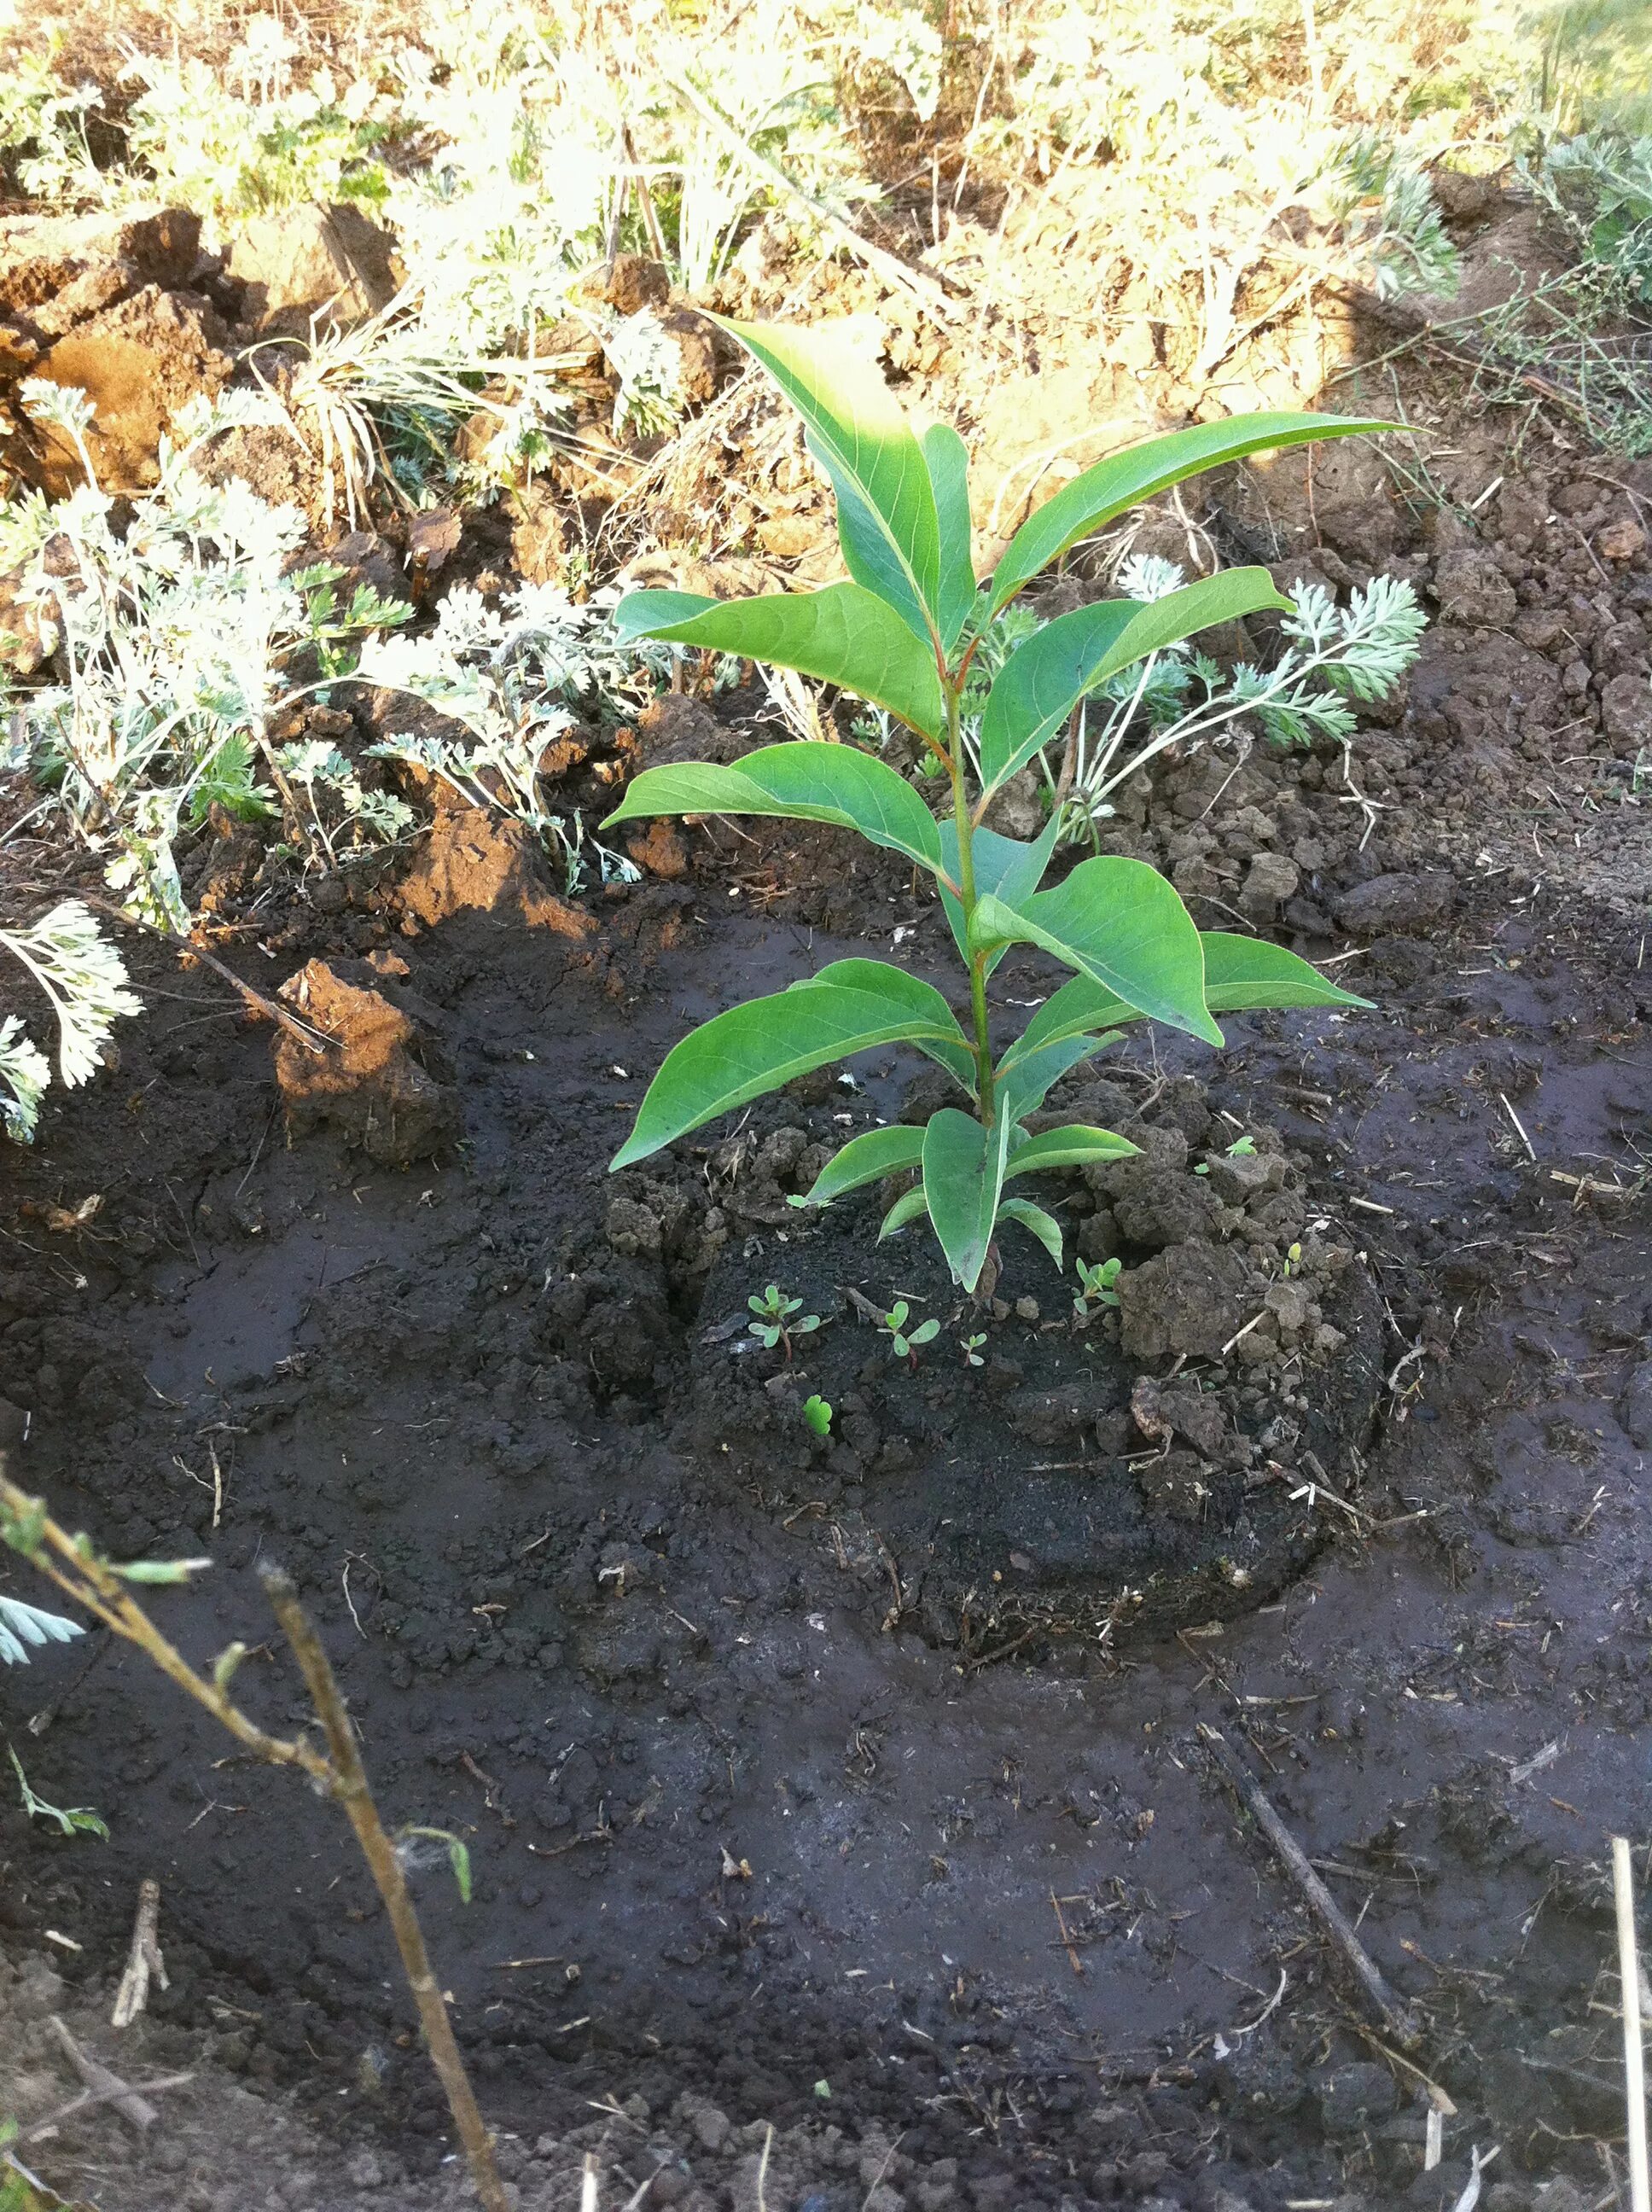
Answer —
384 1863
143 1959
133 2108
588 2183
93 2098
1396 2016
72 1564
312 1040
1629 1974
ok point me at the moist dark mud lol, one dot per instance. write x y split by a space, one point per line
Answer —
1021 1466
623 1671
779 1803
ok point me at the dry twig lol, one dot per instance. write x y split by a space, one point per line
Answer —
134 2109
75 1569
1396 2016
1629 1971
143 1959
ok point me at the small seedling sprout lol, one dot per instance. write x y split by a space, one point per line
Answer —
903 1341
773 1324
1096 1281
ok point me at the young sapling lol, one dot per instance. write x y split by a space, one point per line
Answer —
914 634
970 1347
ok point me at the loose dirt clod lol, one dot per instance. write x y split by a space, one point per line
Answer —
381 1085
478 863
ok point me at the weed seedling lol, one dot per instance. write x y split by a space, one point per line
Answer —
1292 1259
1096 1281
774 1324
904 1341
916 634
72 1820
970 1347
818 1414
1242 1148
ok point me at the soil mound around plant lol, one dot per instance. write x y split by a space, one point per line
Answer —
1025 1465
325 264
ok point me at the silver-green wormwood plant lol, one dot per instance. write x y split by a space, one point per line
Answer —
902 633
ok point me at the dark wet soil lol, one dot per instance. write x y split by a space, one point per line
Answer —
857 1782
992 1885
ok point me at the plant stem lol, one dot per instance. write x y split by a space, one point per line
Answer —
967 896
77 1570
350 1788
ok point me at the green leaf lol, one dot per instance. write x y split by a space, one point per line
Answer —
803 781
1023 1083
646 614
1073 1146
907 1208
1046 675
1042 1225
964 1177
842 636
950 1050
1125 480
1242 972
947 459
1123 924
1004 865
756 1048
1079 1008
886 516
865 1159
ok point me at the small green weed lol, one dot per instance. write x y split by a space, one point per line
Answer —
1096 1281
774 1323
904 1341
71 1819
